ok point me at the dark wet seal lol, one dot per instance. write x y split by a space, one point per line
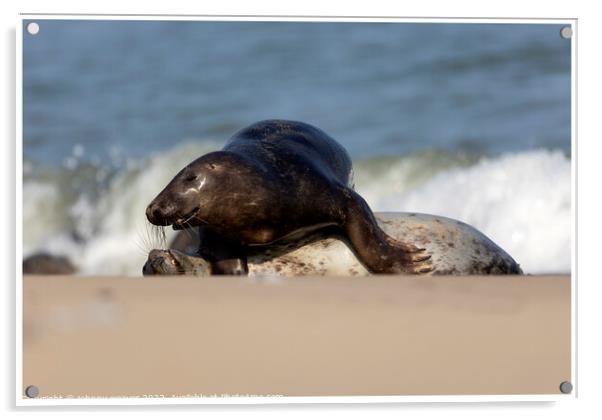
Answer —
44 263
277 181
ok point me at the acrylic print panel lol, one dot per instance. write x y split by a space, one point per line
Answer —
466 121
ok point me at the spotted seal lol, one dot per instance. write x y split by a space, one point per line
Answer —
277 182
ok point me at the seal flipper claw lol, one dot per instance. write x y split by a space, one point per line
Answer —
422 258
379 252
425 270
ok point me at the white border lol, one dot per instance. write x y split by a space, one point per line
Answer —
19 210
574 204
21 401
285 18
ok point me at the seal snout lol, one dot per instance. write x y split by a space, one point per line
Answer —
158 215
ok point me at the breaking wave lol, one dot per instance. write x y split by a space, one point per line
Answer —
94 213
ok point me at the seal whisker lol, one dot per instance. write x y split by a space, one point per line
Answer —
142 250
162 236
188 219
142 243
143 237
149 236
187 230
158 237
202 220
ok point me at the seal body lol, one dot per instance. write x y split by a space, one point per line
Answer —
456 248
277 182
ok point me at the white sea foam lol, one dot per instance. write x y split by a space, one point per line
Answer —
39 224
109 234
521 201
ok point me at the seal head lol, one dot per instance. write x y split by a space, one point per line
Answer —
171 262
191 194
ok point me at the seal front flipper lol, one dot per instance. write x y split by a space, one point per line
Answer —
227 257
379 252
417 259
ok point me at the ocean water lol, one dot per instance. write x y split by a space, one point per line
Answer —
469 121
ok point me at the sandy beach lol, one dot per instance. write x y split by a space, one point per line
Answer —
117 336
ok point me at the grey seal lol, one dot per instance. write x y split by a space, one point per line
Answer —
277 182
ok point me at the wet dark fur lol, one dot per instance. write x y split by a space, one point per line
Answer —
276 182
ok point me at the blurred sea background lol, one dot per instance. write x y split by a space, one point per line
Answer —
469 121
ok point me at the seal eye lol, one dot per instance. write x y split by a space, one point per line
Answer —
191 178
